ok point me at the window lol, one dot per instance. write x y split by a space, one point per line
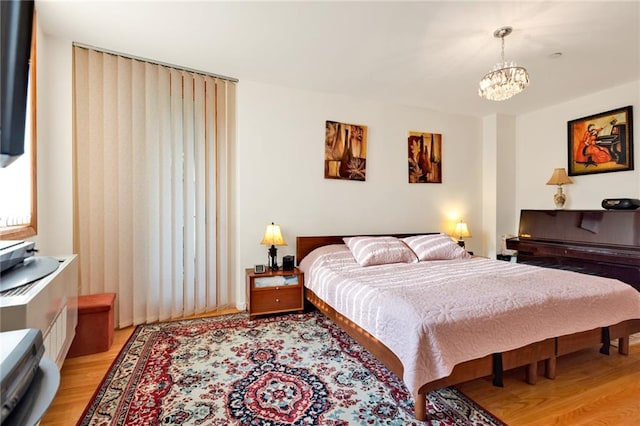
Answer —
18 191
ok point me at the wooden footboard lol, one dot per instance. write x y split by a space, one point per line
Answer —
588 339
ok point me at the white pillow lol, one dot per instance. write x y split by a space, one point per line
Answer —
435 247
379 250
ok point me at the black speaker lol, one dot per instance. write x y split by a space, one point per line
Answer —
288 263
621 203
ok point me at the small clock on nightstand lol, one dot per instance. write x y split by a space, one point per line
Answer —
273 292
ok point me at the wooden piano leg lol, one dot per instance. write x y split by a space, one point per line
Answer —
532 373
420 406
550 368
623 345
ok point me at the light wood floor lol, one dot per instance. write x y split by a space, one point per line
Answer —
590 389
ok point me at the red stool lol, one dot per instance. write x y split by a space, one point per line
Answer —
94 332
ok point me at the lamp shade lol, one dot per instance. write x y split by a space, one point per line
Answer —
462 230
273 236
559 177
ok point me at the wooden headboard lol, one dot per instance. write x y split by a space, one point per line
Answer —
306 244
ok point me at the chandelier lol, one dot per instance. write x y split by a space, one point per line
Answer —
506 78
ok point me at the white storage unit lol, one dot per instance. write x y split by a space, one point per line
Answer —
49 304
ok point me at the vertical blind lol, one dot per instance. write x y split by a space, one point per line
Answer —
151 148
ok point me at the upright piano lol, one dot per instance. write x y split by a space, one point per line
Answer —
599 242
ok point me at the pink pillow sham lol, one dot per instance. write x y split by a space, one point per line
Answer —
435 247
370 251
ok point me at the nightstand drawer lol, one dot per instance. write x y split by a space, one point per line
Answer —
275 281
276 299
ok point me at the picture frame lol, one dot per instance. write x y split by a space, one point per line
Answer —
345 151
601 143
424 157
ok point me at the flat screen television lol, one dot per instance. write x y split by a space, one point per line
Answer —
15 30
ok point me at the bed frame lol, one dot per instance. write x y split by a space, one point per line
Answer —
494 364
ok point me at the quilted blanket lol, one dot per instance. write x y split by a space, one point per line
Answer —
436 314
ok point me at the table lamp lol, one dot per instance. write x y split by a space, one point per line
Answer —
559 177
273 237
461 231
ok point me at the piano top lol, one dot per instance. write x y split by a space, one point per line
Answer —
616 228
600 242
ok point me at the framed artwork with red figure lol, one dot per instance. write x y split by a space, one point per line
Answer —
601 143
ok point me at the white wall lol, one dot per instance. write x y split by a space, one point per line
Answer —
505 220
489 180
55 159
280 173
541 146
498 141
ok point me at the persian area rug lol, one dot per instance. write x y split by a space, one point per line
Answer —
298 369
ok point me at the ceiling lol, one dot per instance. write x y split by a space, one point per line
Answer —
423 54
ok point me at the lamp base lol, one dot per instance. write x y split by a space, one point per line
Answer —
273 258
559 198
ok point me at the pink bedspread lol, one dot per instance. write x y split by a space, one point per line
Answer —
434 315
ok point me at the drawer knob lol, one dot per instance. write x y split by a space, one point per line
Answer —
277 300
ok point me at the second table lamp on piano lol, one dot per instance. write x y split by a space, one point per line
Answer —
559 177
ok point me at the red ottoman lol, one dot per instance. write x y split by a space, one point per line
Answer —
94 332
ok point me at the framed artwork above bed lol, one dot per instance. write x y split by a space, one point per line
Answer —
345 151
425 157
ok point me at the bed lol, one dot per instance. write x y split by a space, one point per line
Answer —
472 318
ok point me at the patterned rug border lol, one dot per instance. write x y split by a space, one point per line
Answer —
99 392
243 321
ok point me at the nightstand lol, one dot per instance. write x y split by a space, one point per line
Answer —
274 292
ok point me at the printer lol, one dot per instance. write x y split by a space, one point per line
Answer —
20 355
